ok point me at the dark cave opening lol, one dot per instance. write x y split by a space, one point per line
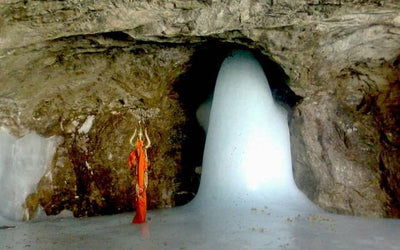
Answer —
196 86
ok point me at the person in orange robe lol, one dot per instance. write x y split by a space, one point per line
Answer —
138 159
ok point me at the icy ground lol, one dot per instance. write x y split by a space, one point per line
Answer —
190 228
247 198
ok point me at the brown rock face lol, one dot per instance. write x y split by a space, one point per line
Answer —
343 159
66 65
108 90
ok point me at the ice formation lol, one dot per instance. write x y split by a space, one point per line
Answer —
87 125
23 162
203 113
247 153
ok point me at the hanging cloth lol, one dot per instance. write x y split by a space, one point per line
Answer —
138 159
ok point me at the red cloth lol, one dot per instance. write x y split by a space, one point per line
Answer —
138 159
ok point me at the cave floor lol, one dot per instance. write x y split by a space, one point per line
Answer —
190 228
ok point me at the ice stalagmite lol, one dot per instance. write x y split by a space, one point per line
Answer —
247 152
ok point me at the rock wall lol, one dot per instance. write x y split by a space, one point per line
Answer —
347 137
93 91
65 61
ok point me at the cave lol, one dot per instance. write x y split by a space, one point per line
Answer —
77 79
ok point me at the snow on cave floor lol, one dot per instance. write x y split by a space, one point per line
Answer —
248 200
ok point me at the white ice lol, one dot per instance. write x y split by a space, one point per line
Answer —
203 113
87 125
23 162
247 153
247 197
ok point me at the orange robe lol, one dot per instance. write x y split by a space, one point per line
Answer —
138 159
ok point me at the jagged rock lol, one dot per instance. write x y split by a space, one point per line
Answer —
64 61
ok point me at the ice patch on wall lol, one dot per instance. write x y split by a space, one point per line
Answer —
203 113
87 125
23 162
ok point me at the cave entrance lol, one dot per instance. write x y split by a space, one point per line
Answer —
195 89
